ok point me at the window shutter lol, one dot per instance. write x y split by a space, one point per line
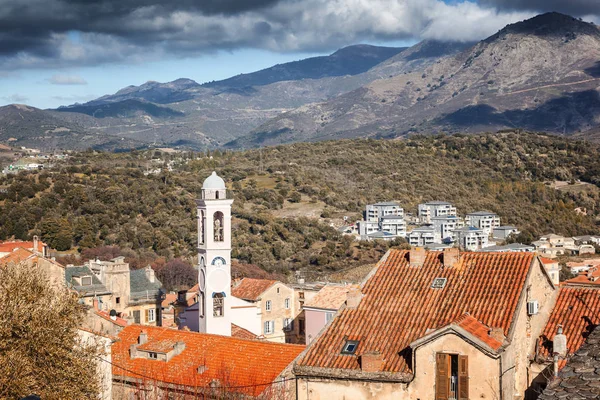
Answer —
272 326
442 390
463 378
147 315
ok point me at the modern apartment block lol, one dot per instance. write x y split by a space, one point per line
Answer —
374 212
432 209
421 236
471 238
484 220
444 228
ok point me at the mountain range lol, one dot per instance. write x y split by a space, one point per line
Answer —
541 74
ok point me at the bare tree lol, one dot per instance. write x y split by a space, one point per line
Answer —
40 350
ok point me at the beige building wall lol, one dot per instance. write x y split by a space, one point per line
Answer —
277 294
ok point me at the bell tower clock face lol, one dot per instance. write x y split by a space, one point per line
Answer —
218 261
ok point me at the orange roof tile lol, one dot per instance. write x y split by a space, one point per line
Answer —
117 321
399 305
545 260
329 297
577 309
232 361
589 277
251 289
17 255
241 333
10 246
479 330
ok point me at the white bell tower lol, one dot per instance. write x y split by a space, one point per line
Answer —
214 257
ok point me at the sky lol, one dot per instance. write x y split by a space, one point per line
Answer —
59 52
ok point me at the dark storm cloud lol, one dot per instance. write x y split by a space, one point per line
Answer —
576 8
59 33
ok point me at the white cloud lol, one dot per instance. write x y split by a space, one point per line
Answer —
15 98
67 80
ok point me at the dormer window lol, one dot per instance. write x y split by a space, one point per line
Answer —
439 283
350 347
86 281
152 356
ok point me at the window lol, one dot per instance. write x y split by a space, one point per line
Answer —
452 377
288 324
277 290
301 328
268 305
301 295
438 283
86 281
201 227
136 317
328 316
153 356
150 315
287 303
218 305
350 347
201 307
269 327
218 226
118 300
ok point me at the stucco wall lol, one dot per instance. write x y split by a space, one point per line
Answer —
315 321
246 315
278 311
324 389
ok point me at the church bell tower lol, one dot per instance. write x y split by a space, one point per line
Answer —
214 257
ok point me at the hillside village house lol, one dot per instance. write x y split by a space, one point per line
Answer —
553 268
432 209
577 267
322 308
134 295
510 248
553 245
34 261
303 294
161 363
433 325
37 246
485 220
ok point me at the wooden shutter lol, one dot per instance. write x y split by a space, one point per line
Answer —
442 378
147 312
463 378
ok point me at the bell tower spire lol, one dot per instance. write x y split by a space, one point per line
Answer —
214 257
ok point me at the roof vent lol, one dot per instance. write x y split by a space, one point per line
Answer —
439 283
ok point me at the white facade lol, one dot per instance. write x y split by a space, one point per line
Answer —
421 236
484 220
394 225
432 209
471 238
444 228
502 232
376 211
214 257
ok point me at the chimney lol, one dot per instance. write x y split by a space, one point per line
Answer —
35 245
371 361
179 347
353 298
416 257
450 257
150 273
497 334
559 343
143 338
133 351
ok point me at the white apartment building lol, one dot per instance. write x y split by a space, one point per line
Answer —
432 209
484 220
374 212
444 228
394 224
471 238
421 236
503 232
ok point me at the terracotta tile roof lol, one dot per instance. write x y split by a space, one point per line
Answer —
6 247
577 309
399 305
17 255
331 297
251 289
117 321
545 260
589 277
241 333
479 330
235 362
170 298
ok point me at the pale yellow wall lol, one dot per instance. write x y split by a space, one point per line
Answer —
278 311
142 308
323 389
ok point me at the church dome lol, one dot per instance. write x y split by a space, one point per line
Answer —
214 181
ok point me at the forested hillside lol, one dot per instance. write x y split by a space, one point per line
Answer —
286 196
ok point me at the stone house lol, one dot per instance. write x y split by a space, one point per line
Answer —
36 261
553 268
274 302
36 246
433 325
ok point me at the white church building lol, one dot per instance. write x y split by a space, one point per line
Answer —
217 309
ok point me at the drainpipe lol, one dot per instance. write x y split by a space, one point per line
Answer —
500 378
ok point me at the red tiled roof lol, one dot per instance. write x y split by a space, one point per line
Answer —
252 364
329 297
10 246
241 333
545 260
251 289
589 277
16 256
399 305
117 321
479 330
577 309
